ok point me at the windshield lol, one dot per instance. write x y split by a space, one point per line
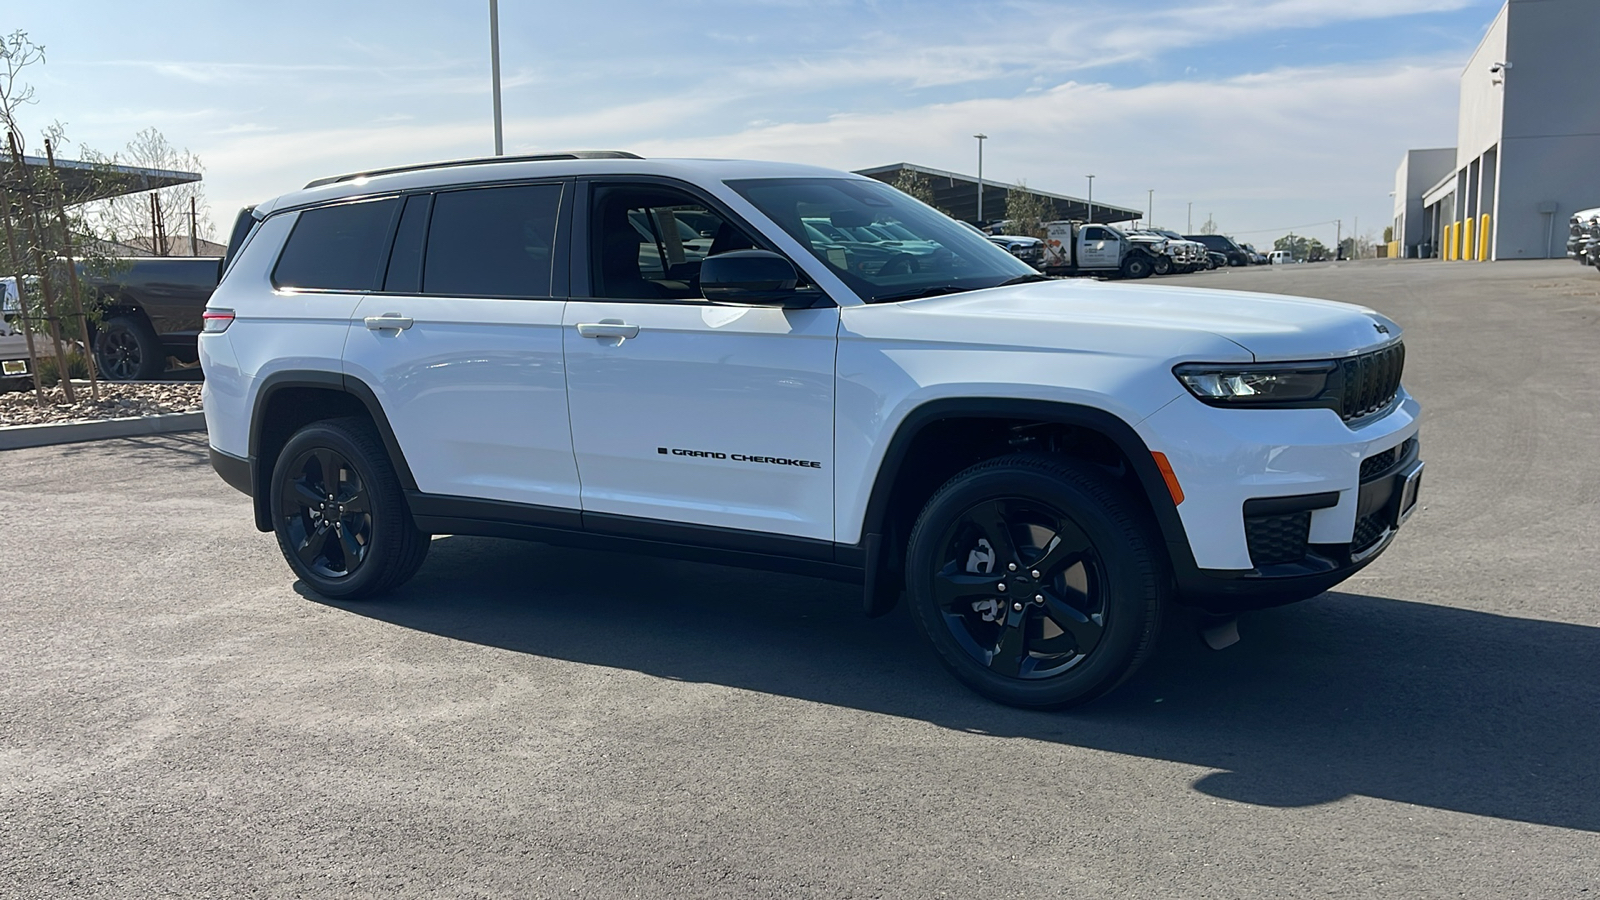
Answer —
883 244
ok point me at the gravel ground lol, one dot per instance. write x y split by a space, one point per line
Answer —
117 400
178 718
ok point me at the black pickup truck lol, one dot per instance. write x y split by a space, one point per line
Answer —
151 311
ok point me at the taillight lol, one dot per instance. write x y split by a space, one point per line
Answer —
216 321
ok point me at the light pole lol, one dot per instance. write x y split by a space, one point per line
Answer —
1091 198
494 71
981 138
1150 214
1191 218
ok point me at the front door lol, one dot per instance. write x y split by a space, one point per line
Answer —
685 411
463 345
1098 248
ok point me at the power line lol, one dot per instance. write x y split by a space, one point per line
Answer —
1288 229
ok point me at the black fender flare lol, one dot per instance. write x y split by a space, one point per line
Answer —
319 380
1111 426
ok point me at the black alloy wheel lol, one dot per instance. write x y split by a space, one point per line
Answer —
339 512
1163 265
1036 579
326 513
1021 588
126 349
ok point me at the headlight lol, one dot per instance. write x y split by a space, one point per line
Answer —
1265 383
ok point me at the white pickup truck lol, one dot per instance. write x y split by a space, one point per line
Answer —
525 348
1071 248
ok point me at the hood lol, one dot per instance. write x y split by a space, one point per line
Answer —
1269 326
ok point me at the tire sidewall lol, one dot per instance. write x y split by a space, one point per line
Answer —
1130 608
388 511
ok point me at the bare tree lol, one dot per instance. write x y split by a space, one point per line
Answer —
17 52
162 214
1210 226
1027 211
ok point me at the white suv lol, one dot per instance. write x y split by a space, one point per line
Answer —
666 356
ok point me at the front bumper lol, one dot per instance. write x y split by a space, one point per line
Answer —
1281 505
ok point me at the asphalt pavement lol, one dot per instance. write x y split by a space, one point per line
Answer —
179 719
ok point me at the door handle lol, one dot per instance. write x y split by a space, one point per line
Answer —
608 329
388 321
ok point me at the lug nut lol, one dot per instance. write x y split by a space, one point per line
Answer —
1001 587
1011 567
1017 607
1038 598
1034 573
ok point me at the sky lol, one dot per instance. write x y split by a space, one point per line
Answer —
1268 115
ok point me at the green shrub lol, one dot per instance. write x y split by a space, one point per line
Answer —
76 368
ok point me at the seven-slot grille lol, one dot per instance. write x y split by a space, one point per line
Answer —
1371 381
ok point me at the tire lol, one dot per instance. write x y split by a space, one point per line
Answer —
1103 583
373 527
1163 265
126 348
1136 266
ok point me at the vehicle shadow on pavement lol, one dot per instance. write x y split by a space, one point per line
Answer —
1342 695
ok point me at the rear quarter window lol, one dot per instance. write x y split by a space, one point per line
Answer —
337 248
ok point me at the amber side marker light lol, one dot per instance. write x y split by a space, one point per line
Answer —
1167 475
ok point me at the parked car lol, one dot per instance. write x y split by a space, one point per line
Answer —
1257 258
1215 260
1583 238
1216 243
1028 249
1038 465
1280 257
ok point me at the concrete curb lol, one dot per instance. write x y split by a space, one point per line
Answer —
16 437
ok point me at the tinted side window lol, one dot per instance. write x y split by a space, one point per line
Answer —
492 242
405 260
337 248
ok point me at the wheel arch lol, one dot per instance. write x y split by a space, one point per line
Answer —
900 484
288 401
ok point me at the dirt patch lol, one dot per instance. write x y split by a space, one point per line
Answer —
116 401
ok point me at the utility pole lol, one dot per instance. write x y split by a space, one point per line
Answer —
1191 218
981 138
1091 198
1150 214
1338 236
494 73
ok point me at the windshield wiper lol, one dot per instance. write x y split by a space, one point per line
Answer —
1025 279
933 291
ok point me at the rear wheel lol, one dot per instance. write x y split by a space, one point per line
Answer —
1163 265
1037 580
339 513
126 348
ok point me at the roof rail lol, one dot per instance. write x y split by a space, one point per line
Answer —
477 161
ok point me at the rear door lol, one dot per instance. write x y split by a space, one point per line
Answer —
684 411
463 345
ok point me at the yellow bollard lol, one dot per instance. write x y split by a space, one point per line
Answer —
1467 245
1483 238
1450 242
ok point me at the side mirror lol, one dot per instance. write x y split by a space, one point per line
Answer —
751 278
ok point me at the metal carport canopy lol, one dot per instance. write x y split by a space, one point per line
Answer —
84 182
957 194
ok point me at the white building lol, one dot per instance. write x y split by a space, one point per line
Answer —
1527 148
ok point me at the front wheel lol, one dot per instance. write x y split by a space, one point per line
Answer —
1163 265
339 513
1136 266
1037 580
